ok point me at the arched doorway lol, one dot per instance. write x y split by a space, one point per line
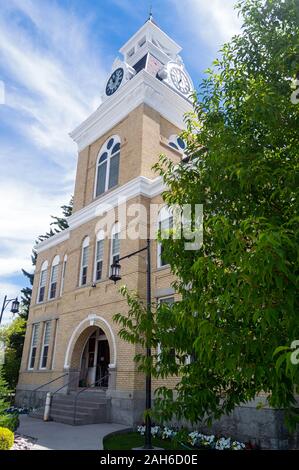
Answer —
77 357
95 360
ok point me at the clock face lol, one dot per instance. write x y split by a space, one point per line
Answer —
114 81
180 80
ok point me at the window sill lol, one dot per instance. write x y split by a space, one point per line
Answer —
97 198
163 268
45 302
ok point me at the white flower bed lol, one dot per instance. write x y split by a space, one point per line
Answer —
195 439
23 443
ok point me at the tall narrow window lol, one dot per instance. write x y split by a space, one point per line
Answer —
42 282
45 346
108 166
115 244
34 343
99 256
84 262
54 278
165 225
177 143
63 274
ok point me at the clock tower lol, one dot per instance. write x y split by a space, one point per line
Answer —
150 49
72 344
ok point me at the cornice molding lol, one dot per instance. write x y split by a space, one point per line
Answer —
141 89
140 186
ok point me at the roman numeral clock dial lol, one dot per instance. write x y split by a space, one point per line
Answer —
180 80
114 81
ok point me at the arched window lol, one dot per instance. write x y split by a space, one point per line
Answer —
108 166
42 282
165 224
54 277
177 143
84 262
63 274
99 256
115 244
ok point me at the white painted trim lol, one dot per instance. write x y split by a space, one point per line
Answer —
140 186
34 326
143 88
52 241
44 267
136 187
56 320
55 263
100 236
116 229
150 29
63 269
43 345
85 244
91 319
109 156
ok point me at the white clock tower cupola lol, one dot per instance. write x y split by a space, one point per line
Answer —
152 50
150 71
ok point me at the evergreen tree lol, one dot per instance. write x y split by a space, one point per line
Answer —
59 224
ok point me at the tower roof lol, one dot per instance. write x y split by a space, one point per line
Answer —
150 33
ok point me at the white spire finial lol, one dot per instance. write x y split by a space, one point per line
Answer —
150 16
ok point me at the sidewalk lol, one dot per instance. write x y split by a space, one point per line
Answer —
58 436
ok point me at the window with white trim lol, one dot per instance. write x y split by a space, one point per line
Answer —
45 345
176 142
115 244
63 274
165 224
33 347
84 262
108 166
42 282
54 278
99 256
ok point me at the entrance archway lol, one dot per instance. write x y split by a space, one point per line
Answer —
95 360
91 353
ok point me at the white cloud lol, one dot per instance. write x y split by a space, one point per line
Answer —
211 21
25 215
53 80
50 64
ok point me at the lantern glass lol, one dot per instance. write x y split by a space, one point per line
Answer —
115 272
15 306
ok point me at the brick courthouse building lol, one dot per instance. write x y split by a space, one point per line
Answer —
71 341
70 328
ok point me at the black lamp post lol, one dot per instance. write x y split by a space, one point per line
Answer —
115 276
15 304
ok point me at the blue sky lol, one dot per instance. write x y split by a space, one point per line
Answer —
55 57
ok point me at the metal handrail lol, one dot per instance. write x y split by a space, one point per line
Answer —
83 389
43 385
65 385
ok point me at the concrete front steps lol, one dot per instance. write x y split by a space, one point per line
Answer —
91 408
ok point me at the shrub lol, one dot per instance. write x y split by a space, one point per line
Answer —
10 421
6 439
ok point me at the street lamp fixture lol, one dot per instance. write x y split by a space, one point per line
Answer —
115 276
15 305
115 272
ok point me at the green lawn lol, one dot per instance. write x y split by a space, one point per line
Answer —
127 441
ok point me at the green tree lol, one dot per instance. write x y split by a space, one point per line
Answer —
239 293
14 334
13 337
